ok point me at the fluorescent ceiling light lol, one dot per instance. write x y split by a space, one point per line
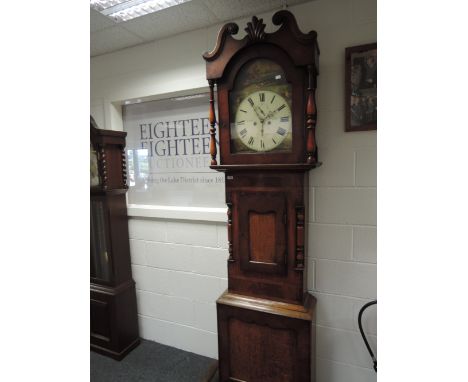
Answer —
124 10
190 97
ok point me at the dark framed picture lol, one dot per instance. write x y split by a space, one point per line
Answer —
361 87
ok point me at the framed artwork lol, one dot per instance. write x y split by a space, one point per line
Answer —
361 87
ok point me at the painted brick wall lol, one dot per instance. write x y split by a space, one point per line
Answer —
180 270
179 266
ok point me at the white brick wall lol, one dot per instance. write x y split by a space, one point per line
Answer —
180 270
180 266
342 234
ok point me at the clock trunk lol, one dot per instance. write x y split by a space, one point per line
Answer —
266 327
265 231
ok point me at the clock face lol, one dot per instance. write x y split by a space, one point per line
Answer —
263 120
260 105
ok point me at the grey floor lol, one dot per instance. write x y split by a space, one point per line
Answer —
153 362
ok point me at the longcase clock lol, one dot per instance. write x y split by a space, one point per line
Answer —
114 322
265 86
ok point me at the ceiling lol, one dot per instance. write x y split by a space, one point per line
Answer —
108 36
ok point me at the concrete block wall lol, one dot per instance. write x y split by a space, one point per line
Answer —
180 266
343 255
180 270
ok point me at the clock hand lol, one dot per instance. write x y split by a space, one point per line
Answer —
271 113
257 109
258 115
261 111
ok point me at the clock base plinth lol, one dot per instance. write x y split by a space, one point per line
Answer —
262 340
114 326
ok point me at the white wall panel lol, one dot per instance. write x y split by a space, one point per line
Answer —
201 234
344 346
337 168
346 278
180 336
176 309
365 244
330 241
366 167
205 316
336 371
169 256
209 261
137 252
346 205
151 279
145 229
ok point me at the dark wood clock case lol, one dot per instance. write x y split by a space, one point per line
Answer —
114 321
266 329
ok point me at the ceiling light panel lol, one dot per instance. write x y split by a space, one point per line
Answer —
124 10
100 5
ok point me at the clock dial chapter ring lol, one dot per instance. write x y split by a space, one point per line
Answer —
263 120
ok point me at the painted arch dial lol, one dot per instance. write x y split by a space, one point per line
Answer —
263 120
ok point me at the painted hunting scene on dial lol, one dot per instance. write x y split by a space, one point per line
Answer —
260 109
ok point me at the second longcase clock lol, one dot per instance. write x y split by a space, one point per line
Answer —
114 320
266 109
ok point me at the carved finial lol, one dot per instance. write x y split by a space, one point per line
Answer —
255 29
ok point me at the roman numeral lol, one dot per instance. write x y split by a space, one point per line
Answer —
251 102
272 99
281 107
262 97
251 141
243 132
243 111
273 141
281 131
240 122
284 119
262 144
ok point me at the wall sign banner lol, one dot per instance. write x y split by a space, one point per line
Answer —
168 155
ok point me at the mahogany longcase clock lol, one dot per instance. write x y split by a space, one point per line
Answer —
266 109
114 321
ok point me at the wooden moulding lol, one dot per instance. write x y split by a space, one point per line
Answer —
212 120
300 217
295 167
123 159
110 290
302 312
103 166
118 356
300 45
311 118
264 340
229 227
